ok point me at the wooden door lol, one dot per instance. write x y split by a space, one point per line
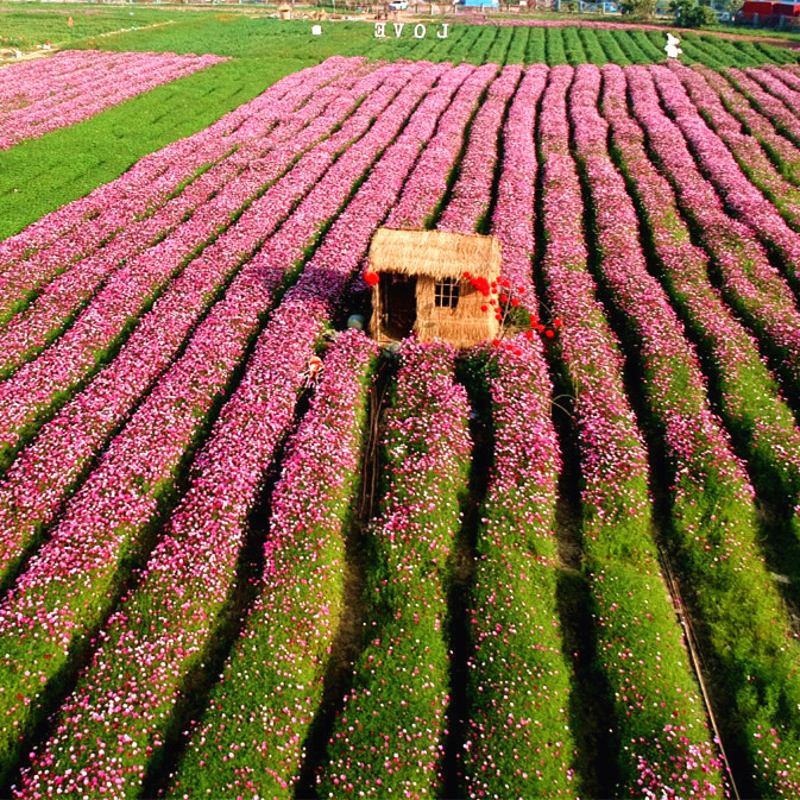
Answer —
398 304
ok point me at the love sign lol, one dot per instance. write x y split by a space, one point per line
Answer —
420 30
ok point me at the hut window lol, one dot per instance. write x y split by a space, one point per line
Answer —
446 293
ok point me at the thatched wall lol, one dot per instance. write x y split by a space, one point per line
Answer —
432 256
462 326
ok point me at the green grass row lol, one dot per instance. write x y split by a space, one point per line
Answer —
268 695
26 26
388 738
519 742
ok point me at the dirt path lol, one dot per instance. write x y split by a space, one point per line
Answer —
8 55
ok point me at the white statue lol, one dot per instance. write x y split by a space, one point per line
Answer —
671 47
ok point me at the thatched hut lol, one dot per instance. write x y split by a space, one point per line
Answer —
421 286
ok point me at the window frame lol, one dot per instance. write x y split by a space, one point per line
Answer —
446 292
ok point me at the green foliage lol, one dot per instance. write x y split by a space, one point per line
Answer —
639 9
518 684
387 738
692 14
40 175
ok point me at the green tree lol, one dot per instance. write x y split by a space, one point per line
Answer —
691 14
639 9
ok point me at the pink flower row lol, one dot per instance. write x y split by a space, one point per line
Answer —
750 283
30 258
745 148
162 630
751 401
251 737
44 96
769 105
388 737
472 194
254 166
256 163
427 185
781 150
37 386
778 86
745 201
720 549
622 559
518 742
514 214
38 480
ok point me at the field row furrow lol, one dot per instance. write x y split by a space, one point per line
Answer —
519 740
513 220
783 153
471 197
746 149
716 160
770 106
777 88
713 532
251 737
40 386
749 397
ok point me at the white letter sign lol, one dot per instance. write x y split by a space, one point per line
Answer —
419 31
442 34
380 30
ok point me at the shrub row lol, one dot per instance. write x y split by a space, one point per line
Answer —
665 746
388 737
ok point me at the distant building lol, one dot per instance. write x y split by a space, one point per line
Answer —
479 3
764 12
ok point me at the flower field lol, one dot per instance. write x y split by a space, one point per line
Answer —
563 564
39 96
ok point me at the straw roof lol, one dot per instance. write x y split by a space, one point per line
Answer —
438 254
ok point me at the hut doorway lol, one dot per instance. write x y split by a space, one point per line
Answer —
398 304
